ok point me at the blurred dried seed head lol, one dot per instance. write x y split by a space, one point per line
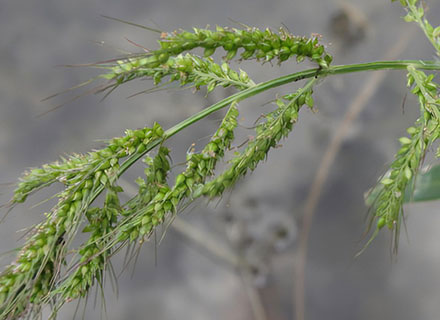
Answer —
349 24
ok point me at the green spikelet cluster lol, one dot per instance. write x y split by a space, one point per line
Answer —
388 205
278 125
50 269
265 45
153 190
29 278
255 44
187 184
156 174
25 282
83 171
93 255
116 224
186 69
189 69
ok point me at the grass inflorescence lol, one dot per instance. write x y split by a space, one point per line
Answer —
186 69
388 203
49 269
168 60
31 277
389 195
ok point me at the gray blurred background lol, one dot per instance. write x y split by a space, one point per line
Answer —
261 219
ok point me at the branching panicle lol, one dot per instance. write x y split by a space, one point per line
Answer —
186 186
49 269
189 69
115 224
45 251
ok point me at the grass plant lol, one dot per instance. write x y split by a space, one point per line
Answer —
50 271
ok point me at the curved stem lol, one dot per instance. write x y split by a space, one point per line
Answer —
263 86
309 73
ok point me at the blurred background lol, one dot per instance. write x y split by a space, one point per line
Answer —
232 259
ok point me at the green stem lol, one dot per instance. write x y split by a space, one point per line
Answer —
383 65
263 86
247 93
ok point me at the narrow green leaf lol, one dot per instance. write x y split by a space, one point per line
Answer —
426 188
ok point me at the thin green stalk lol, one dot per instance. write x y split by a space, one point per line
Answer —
263 86
382 65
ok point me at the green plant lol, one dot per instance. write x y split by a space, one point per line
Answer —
45 270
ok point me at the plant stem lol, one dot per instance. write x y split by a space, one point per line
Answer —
316 72
382 65
263 86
